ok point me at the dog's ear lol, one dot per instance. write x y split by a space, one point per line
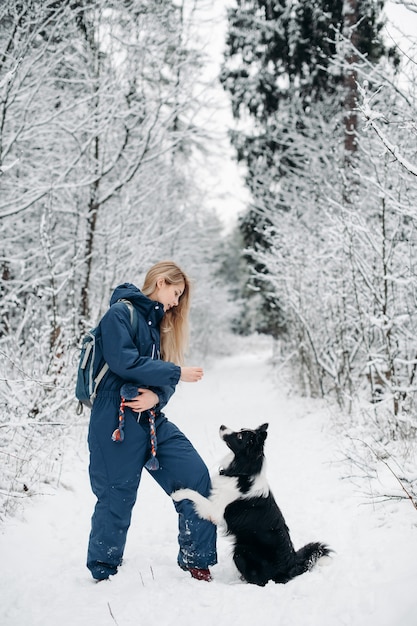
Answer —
262 431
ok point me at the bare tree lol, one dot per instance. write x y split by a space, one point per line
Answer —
98 105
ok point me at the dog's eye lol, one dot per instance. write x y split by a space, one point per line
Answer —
239 436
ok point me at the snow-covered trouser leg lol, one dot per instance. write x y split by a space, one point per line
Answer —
115 471
181 466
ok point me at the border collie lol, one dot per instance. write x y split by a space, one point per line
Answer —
241 500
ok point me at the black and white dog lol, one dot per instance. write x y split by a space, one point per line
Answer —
242 501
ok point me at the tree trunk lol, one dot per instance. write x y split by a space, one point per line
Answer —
350 31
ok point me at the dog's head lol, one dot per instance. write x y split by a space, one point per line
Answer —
248 448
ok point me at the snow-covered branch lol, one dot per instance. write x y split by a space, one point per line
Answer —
372 118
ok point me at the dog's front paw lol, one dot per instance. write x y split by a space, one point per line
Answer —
180 494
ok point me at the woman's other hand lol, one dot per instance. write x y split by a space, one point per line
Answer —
191 374
146 400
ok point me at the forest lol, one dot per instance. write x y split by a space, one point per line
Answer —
102 105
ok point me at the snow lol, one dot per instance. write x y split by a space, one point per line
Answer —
371 579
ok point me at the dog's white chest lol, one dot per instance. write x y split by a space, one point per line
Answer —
224 491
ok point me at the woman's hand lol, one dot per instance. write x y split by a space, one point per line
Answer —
143 402
191 374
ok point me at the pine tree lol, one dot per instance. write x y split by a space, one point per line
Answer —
282 63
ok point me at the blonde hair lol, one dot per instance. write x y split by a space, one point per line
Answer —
174 325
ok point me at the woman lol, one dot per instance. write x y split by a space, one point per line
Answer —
145 349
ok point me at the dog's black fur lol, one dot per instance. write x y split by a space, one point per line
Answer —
242 500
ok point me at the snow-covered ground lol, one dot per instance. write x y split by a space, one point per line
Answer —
371 580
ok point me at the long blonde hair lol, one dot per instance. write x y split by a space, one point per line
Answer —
174 325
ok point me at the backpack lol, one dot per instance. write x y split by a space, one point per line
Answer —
91 366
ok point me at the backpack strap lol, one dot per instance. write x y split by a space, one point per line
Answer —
132 310
98 380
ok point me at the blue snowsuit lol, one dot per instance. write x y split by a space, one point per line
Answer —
115 467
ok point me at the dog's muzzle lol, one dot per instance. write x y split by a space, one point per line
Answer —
224 430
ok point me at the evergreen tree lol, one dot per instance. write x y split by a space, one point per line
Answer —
283 62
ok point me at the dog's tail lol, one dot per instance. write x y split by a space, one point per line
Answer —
308 556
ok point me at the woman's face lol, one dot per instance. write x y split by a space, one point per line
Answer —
168 295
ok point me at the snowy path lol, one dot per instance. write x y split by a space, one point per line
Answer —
372 579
